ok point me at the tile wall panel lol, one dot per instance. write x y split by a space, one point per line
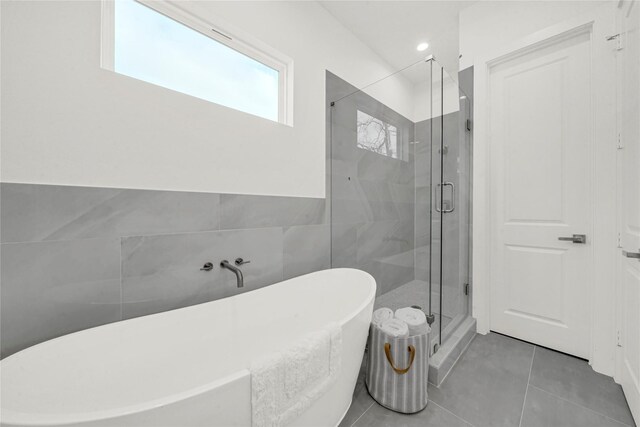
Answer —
78 257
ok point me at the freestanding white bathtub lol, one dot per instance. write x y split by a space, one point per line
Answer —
188 367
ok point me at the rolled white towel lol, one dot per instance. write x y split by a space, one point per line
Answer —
380 315
395 327
415 319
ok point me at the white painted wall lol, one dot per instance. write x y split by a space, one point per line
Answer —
428 107
67 121
486 26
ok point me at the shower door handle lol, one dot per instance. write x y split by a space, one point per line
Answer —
453 198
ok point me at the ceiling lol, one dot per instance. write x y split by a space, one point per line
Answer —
393 29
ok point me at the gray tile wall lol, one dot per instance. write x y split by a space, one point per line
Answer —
78 257
380 207
372 195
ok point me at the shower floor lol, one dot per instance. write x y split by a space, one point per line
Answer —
415 292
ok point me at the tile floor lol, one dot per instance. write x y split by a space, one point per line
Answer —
500 381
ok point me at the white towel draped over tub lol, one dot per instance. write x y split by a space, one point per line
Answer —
285 384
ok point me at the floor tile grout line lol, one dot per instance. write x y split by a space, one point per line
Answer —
361 415
579 405
449 410
524 401
458 417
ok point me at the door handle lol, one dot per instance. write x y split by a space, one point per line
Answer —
444 209
576 238
635 255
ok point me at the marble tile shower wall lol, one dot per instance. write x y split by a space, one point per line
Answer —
372 195
78 257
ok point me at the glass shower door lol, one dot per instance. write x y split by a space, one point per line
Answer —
451 214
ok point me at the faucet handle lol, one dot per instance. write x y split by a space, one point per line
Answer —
207 267
240 261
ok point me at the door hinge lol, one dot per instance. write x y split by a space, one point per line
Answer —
618 39
619 241
466 289
469 125
619 341
619 145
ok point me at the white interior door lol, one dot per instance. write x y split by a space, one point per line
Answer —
629 160
540 117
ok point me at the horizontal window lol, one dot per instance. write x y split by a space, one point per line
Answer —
377 135
169 48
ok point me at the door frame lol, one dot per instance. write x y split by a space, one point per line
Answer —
601 290
624 7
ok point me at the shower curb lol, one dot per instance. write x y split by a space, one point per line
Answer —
445 358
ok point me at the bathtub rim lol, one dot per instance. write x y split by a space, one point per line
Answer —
13 417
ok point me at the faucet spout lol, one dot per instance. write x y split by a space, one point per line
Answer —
239 277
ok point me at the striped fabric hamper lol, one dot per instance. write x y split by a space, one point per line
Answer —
397 370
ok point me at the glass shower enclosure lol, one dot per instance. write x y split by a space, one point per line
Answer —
400 191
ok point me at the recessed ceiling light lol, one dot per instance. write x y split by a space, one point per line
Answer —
422 47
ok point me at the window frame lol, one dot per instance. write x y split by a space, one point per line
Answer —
219 32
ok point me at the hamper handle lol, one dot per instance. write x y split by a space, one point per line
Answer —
412 356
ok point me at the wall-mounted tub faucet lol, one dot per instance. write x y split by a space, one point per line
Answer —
236 270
